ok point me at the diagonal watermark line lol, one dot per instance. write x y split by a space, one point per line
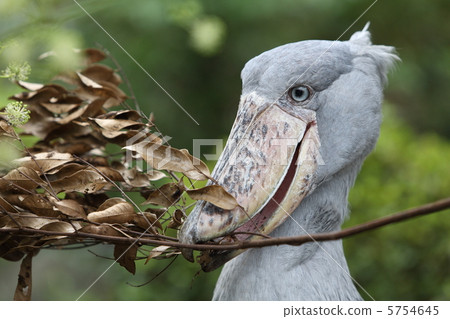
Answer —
135 61
145 71
236 148
311 65
125 251
328 49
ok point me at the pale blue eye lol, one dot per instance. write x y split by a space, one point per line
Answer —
299 93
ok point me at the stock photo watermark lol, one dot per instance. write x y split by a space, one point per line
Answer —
238 150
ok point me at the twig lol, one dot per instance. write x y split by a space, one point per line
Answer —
123 194
125 79
12 218
97 255
296 240
155 276
51 190
71 246
250 233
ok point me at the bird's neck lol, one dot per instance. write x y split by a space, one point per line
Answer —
313 271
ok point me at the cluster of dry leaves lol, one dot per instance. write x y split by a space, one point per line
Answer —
67 183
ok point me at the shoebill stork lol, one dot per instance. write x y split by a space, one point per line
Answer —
309 114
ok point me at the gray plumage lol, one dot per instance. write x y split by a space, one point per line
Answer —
348 79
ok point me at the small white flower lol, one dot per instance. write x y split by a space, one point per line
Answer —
16 113
17 72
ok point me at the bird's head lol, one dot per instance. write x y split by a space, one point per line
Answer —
307 110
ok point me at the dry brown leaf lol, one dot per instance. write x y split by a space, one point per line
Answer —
5 219
143 220
104 230
95 108
116 134
84 139
117 125
19 179
72 129
117 211
35 203
125 255
135 178
157 251
68 77
116 137
164 157
200 171
69 207
177 219
111 173
8 249
111 88
25 219
74 148
47 93
113 95
96 160
62 104
74 120
154 175
61 227
166 196
92 109
99 72
34 98
64 170
93 55
214 194
88 82
157 211
44 162
6 129
151 138
30 86
110 202
24 283
72 116
5 206
41 122
130 115
60 108
84 181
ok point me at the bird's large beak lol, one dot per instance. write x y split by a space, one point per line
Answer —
268 165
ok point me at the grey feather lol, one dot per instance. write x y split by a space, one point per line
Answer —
348 79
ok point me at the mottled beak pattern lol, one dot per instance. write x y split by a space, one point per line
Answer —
268 165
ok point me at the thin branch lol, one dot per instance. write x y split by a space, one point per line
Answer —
296 240
124 195
125 78
50 190
155 276
11 217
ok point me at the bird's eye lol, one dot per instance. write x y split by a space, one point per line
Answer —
300 93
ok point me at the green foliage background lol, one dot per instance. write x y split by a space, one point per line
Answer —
196 49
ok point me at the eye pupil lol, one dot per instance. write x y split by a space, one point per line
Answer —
299 93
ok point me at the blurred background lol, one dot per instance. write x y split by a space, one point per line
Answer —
196 50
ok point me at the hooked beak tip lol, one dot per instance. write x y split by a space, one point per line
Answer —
251 168
186 235
188 254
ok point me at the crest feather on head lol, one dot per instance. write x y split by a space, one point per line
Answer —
384 56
